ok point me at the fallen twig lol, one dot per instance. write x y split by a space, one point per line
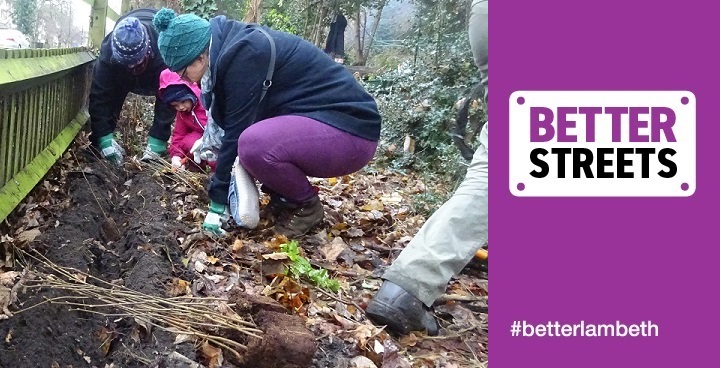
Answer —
462 298
181 315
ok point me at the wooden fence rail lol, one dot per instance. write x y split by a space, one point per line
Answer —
43 105
43 95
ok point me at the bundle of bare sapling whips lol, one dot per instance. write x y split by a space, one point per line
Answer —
191 179
201 318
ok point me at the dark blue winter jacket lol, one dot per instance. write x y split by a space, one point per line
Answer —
112 82
306 82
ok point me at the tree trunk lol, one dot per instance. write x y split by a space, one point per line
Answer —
253 12
366 54
359 38
318 31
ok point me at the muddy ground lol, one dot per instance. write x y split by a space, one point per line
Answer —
137 227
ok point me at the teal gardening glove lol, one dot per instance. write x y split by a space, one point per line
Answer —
111 150
216 216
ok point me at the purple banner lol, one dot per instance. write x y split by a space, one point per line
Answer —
572 269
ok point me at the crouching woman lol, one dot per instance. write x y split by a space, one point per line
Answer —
288 110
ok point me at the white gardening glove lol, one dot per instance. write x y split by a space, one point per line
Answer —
176 163
195 150
209 155
202 152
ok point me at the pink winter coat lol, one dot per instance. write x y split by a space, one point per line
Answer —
187 129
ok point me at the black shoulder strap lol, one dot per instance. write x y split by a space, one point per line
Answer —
271 68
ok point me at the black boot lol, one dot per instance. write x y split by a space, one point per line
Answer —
278 204
400 311
304 218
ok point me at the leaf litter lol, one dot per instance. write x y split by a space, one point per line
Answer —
325 278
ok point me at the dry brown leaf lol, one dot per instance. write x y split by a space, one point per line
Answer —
8 278
33 222
80 277
334 203
225 309
405 239
27 236
287 292
181 338
213 356
362 362
212 260
145 324
462 317
363 333
135 334
340 226
277 256
391 357
409 340
373 205
355 232
277 241
199 256
105 337
376 215
237 246
344 322
334 249
272 268
395 198
326 328
178 287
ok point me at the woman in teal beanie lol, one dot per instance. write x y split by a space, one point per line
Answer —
288 110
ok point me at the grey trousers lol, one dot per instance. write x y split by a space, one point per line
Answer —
449 239
478 34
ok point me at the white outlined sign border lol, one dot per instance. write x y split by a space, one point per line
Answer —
522 184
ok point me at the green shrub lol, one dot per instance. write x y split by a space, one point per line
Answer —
418 99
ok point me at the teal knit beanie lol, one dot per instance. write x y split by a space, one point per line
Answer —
182 38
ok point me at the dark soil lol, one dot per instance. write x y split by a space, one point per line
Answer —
132 227
120 227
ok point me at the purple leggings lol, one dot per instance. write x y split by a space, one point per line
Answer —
281 152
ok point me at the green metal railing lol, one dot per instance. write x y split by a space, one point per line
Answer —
43 94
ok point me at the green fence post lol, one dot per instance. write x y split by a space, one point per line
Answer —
98 22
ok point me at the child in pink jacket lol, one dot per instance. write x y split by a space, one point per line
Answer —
190 120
